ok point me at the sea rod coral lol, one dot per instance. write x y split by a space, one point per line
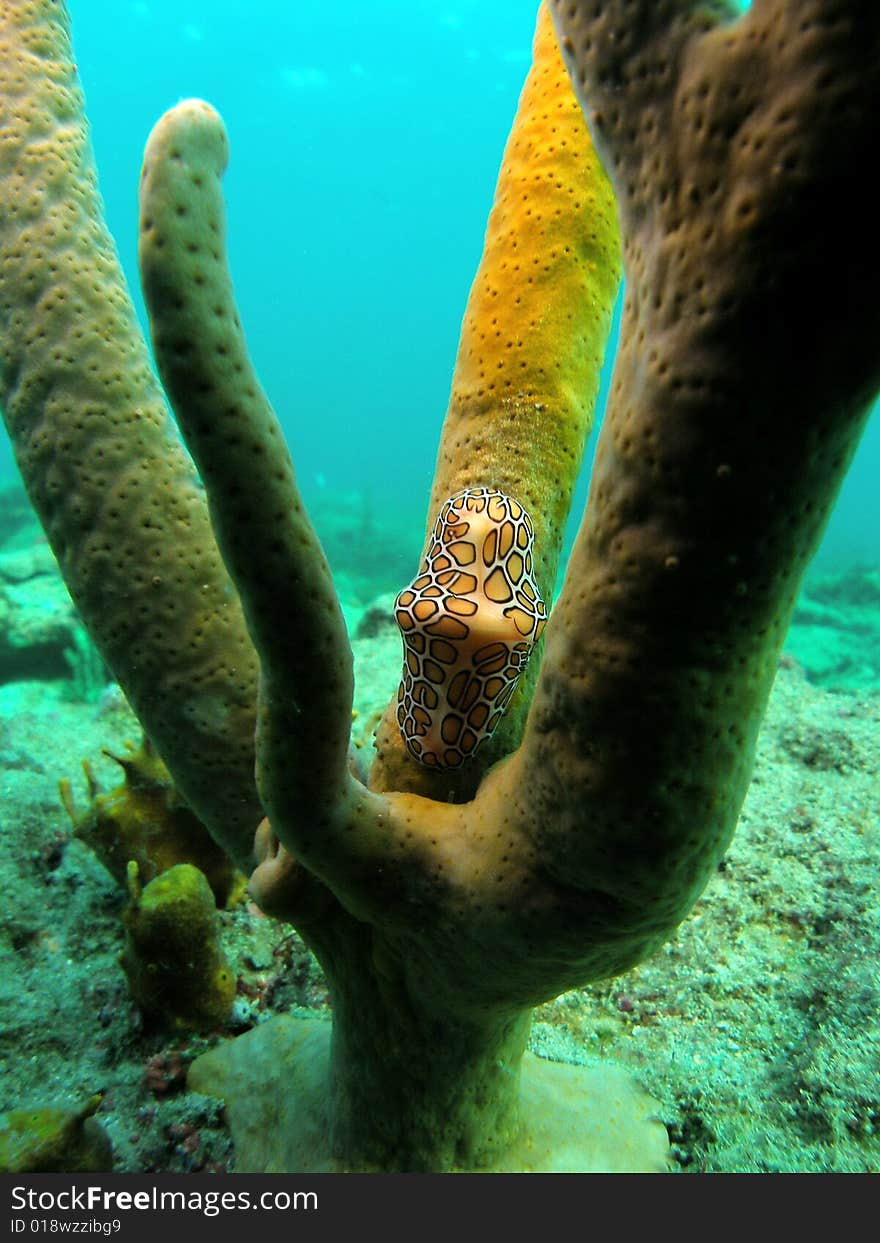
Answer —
443 905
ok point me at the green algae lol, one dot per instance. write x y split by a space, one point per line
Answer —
54 1139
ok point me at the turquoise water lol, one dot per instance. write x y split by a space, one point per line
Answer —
364 157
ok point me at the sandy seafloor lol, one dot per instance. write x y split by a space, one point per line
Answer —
755 1028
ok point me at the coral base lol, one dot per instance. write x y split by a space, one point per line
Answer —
274 1084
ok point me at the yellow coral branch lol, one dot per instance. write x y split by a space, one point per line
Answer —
529 360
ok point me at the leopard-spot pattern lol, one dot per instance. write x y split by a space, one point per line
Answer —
469 621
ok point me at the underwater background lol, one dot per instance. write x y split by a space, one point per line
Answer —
365 143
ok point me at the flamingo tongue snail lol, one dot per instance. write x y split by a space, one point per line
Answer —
469 621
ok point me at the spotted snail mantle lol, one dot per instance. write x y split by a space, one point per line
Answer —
469 621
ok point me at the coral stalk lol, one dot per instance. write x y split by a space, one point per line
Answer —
117 495
442 909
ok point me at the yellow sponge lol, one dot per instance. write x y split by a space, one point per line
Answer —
172 959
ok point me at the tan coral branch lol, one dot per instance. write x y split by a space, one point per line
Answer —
113 487
265 537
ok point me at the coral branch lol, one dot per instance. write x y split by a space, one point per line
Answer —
527 372
265 537
737 404
115 491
